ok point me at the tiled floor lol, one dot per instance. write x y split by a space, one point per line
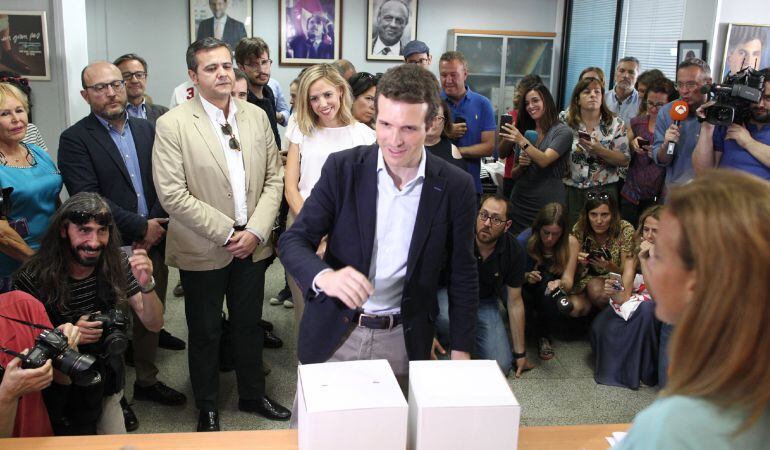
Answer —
557 392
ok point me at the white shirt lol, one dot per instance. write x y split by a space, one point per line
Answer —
182 93
316 148
234 158
379 46
219 26
396 216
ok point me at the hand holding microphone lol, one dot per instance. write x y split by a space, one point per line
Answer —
522 157
679 111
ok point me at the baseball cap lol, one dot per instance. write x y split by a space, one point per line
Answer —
415 47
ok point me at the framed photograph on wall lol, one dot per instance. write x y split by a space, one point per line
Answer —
310 31
391 24
691 49
746 45
24 44
228 20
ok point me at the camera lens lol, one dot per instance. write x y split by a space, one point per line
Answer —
115 343
77 366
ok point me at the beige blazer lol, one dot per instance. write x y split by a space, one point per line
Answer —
193 183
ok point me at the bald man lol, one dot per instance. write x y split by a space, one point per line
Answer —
110 153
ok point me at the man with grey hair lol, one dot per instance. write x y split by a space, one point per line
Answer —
392 19
345 68
624 100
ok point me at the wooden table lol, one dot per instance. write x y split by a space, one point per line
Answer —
578 437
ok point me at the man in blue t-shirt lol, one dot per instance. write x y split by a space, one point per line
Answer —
474 128
742 147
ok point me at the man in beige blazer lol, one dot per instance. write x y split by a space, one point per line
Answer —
215 166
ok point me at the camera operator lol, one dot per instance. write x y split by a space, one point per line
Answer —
742 147
82 246
22 411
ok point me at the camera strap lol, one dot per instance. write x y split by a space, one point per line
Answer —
29 324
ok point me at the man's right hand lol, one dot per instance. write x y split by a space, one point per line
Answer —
18 381
672 135
458 130
90 332
155 231
346 284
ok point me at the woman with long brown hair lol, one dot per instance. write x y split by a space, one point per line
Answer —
709 273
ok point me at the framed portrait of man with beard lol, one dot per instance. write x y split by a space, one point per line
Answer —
392 23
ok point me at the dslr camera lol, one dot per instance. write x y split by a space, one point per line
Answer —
53 345
114 324
734 97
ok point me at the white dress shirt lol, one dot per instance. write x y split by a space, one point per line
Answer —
219 26
379 46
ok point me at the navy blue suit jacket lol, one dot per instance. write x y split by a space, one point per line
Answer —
343 206
234 31
90 161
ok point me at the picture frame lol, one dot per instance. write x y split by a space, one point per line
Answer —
27 32
691 49
310 31
386 32
746 45
237 15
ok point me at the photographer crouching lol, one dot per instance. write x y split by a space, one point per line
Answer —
81 276
734 131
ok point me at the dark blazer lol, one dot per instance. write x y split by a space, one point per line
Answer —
154 111
234 30
89 161
343 205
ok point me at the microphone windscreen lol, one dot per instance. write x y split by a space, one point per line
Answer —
679 110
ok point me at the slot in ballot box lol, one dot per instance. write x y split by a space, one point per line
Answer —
461 405
350 405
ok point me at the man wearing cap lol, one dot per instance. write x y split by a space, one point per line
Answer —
417 52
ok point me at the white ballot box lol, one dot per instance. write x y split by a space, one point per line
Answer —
350 405
461 405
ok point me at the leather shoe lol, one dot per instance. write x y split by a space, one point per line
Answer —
178 290
159 393
208 420
271 340
266 407
132 423
266 325
169 342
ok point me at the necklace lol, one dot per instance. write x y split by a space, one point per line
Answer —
16 161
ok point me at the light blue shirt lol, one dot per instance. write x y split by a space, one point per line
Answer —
140 112
396 216
127 148
281 106
626 109
679 170
681 423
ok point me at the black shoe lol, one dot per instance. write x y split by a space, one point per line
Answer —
132 423
272 341
129 354
169 342
270 409
178 290
159 393
266 325
208 420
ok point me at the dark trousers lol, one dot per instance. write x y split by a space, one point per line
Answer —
145 342
631 212
242 282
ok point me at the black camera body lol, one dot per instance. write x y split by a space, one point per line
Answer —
53 345
114 325
734 97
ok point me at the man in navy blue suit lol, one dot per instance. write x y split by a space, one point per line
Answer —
220 25
397 218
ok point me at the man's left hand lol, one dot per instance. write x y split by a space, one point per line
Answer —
242 244
739 134
141 266
522 365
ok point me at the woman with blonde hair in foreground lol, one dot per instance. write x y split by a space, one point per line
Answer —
709 273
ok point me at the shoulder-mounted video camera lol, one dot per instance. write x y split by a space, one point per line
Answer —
734 97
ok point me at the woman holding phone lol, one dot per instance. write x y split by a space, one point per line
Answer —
718 391
542 157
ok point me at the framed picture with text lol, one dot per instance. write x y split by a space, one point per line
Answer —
310 31
24 44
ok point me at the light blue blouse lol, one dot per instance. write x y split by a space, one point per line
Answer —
35 191
681 422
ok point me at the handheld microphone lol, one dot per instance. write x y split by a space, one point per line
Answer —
678 112
531 136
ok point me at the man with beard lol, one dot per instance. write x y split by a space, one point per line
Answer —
392 18
133 68
501 262
253 57
624 100
78 271
109 152
740 146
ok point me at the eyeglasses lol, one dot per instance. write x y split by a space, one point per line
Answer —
141 75
440 118
651 105
421 61
598 195
227 130
20 80
690 85
259 63
496 221
100 88
82 217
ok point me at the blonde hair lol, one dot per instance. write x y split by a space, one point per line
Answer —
719 346
8 90
307 120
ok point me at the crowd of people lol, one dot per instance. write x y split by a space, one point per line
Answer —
614 221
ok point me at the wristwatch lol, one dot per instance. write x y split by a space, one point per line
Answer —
149 287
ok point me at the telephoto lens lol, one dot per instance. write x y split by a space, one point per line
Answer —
53 345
